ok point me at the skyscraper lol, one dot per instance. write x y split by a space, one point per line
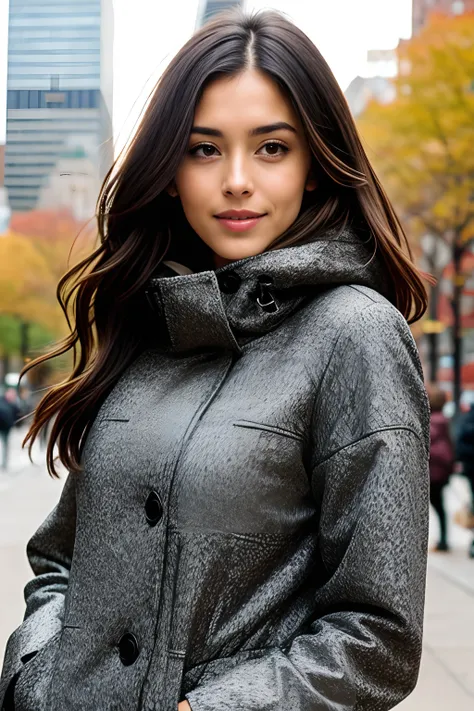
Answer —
422 9
4 207
208 8
59 92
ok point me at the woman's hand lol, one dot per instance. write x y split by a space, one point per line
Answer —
184 706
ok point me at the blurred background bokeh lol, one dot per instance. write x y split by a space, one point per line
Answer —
74 78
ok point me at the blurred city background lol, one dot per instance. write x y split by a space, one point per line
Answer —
74 77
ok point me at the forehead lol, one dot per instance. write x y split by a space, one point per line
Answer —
244 101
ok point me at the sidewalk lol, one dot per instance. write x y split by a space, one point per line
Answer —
27 495
447 671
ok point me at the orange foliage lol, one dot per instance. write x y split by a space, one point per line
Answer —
38 249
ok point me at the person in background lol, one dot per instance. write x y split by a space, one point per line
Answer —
441 460
9 414
465 454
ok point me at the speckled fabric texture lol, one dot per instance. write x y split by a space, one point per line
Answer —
250 528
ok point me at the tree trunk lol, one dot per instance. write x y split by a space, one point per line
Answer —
5 367
24 340
433 338
458 283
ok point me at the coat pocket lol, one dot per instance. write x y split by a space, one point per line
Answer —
207 671
249 424
32 687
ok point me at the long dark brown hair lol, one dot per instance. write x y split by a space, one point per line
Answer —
139 223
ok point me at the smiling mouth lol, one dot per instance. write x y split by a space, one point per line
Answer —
240 224
248 217
240 218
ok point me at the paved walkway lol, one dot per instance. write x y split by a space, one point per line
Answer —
446 681
27 495
447 671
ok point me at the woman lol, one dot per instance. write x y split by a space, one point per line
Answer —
441 461
465 454
9 414
244 524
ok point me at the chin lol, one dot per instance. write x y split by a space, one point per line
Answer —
240 248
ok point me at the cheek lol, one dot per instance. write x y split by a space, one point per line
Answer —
285 188
194 191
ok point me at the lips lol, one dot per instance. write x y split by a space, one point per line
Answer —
239 215
239 220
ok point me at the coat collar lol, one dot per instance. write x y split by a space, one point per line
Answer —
227 307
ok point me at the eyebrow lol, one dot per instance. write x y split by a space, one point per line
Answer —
270 128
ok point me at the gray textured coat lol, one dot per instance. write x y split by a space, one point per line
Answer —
250 528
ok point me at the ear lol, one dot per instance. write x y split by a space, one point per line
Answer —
172 189
311 182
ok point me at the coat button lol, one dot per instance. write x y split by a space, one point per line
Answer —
153 508
128 649
229 282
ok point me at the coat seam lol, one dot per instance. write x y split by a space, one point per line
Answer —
357 288
390 428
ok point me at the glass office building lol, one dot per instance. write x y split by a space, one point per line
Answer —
59 91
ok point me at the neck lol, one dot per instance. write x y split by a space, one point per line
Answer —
221 261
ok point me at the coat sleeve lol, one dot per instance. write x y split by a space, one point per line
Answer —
49 553
370 476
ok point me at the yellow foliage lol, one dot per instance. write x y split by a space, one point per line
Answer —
34 254
27 287
421 144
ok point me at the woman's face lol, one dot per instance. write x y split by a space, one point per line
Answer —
247 152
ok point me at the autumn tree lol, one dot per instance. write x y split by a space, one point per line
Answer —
421 144
57 235
39 248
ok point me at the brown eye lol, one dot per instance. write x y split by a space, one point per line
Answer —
206 148
274 149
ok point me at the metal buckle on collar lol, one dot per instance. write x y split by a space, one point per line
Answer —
265 297
150 295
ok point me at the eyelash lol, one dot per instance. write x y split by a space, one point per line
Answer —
194 150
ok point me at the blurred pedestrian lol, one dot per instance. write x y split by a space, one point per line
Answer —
465 454
9 414
441 460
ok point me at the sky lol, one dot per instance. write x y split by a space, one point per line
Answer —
148 34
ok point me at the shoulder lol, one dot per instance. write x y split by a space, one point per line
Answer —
366 370
350 330
352 312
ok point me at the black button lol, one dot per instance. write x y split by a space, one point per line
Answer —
128 649
229 282
27 657
153 508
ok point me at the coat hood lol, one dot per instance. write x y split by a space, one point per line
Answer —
233 304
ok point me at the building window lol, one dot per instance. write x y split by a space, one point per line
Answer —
68 99
33 99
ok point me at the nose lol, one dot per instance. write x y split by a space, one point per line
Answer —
237 179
